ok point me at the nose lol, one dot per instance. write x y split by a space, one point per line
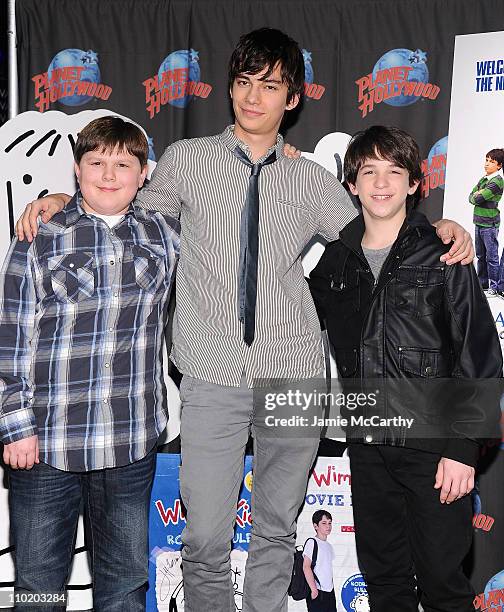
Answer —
253 94
108 173
380 180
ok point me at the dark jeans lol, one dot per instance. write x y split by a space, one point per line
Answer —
487 253
403 530
44 508
324 602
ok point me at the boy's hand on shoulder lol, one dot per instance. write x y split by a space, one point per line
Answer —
462 249
22 454
47 207
291 152
455 480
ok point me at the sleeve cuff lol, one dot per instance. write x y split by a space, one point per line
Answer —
463 450
17 425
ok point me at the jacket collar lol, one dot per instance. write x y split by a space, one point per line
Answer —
351 235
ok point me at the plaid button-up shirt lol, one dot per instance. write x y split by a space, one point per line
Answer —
82 316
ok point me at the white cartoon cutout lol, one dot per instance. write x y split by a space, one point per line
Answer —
360 603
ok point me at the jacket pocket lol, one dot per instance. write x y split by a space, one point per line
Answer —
419 289
425 363
347 361
149 266
73 276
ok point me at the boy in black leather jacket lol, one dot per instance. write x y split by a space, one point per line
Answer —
394 312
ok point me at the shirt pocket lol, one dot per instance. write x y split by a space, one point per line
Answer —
73 276
419 289
148 261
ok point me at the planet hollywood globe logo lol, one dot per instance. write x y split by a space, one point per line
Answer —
177 82
492 599
434 167
72 78
399 78
312 91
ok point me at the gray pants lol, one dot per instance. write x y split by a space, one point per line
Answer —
214 430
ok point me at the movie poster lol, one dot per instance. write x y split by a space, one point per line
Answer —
473 197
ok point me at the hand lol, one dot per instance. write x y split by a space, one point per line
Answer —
291 152
462 248
22 454
455 480
27 224
314 593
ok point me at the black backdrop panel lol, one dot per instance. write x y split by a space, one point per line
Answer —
164 64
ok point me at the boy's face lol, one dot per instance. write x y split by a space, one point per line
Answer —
109 180
491 165
324 526
259 105
382 187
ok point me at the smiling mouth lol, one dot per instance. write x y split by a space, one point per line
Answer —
108 189
251 112
381 197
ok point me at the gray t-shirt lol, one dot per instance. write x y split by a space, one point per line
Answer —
375 258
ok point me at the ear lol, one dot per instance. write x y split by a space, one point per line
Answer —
142 176
413 188
353 189
77 170
293 103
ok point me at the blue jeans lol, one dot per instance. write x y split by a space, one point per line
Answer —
44 509
487 253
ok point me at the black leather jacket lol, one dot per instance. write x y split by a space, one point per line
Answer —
420 320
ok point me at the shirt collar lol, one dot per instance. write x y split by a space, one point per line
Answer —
491 176
230 141
73 211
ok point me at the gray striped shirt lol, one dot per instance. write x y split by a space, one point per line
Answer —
201 182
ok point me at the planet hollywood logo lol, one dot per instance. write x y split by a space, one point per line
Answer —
481 521
492 599
312 90
399 78
177 81
434 167
72 78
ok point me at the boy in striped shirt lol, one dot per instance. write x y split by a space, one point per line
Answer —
485 198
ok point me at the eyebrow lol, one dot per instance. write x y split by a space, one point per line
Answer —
268 80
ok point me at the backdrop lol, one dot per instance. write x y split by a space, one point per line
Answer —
164 64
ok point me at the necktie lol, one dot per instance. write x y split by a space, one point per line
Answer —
249 246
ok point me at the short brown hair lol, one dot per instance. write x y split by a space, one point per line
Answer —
109 133
385 142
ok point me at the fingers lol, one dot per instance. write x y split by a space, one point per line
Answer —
462 250
455 479
22 454
439 476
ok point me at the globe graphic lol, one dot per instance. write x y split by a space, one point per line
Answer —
80 59
404 57
476 502
438 148
494 584
308 70
152 154
177 60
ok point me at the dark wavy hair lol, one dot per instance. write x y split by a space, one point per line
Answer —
265 48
